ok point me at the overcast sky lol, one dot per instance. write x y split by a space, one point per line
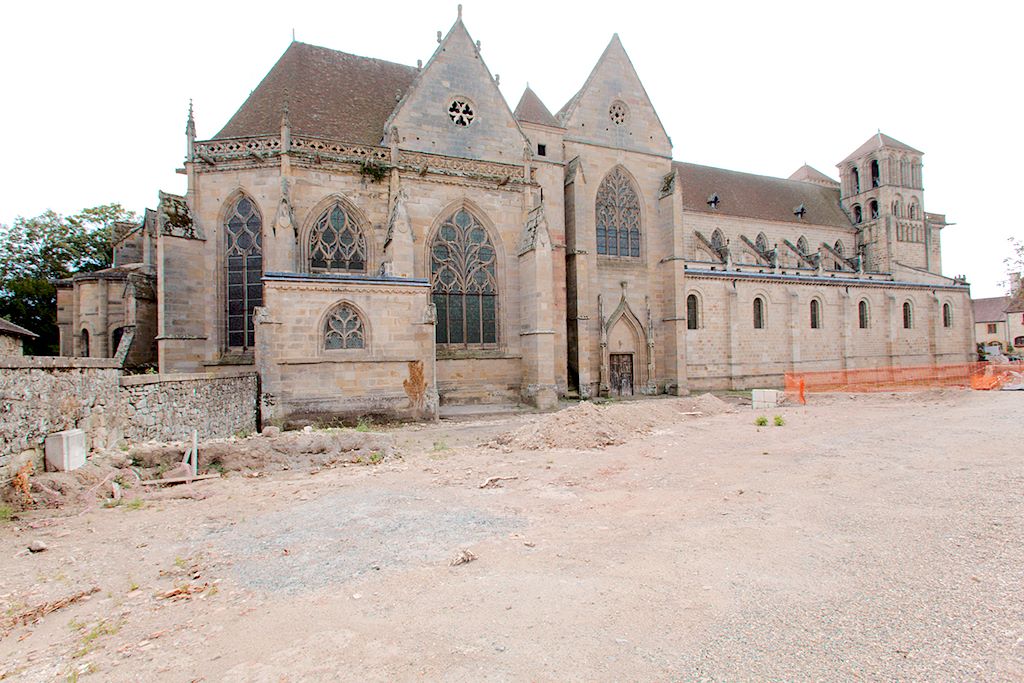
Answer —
95 94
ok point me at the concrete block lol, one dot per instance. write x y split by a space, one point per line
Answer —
765 398
65 451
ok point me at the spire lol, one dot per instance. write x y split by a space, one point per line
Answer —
190 134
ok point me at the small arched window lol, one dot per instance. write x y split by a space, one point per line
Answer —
115 340
618 216
858 215
717 242
873 209
761 243
908 316
862 314
815 314
336 242
876 177
856 180
464 283
896 208
840 249
947 315
912 210
343 329
692 312
802 246
85 343
758 313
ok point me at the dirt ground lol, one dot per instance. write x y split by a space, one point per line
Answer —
876 537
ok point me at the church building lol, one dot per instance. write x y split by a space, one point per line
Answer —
375 238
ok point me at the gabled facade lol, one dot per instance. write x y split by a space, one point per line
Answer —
375 238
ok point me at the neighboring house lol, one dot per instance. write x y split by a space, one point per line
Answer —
12 338
372 237
999 321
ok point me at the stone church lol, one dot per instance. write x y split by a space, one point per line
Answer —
375 238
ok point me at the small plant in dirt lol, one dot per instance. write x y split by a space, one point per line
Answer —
6 512
132 587
364 424
761 421
103 628
376 457
440 446
243 434
133 504
779 421
217 466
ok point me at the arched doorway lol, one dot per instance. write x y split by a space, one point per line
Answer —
623 355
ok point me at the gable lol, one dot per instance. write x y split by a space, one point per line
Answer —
456 74
613 109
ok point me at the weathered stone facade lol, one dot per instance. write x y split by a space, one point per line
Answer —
517 256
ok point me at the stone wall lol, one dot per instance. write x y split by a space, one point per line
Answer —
169 407
10 345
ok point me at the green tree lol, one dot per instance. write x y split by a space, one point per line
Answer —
36 252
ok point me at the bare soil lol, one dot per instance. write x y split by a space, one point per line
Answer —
868 537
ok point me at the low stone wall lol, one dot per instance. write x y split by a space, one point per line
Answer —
169 407
41 395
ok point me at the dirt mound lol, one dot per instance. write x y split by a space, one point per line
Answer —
588 425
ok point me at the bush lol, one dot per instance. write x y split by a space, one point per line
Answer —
762 421
779 421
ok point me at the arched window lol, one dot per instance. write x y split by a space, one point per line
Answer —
758 313
873 209
243 254
947 315
876 176
761 243
717 242
464 283
85 343
908 316
856 180
858 215
840 249
618 216
336 242
801 245
692 313
862 314
896 208
115 340
815 314
912 209
343 329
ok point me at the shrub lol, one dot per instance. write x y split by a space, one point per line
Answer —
779 421
761 421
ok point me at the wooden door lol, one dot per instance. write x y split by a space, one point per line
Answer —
621 366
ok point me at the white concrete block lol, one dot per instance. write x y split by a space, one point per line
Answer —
765 398
65 451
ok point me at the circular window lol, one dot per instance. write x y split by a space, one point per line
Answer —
617 113
461 112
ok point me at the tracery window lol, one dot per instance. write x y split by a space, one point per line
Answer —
758 313
947 315
692 313
343 329
840 249
336 242
464 282
243 254
717 242
908 316
815 314
761 243
461 112
862 314
618 216
617 112
801 245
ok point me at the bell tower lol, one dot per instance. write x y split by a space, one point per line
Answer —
882 192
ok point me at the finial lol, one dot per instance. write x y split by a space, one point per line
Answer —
460 11
293 35
497 79
190 124
190 135
478 46
438 37
419 63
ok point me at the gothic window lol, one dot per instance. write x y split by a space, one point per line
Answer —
758 313
873 209
761 243
461 112
862 314
336 242
856 181
858 215
876 178
464 283
801 245
840 249
947 315
692 319
618 216
617 113
815 314
717 242
908 316
343 329
243 253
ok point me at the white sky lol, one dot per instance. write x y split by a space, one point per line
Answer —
95 93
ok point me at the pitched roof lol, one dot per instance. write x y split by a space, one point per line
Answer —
990 310
531 110
809 174
9 328
756 196
330 94
876 142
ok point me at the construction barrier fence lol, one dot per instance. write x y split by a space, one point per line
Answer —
981 376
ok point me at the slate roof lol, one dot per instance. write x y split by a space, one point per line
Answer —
809 174
9 328
876 142
755 196
330 94
531 110
990 310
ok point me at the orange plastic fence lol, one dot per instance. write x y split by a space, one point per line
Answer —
893 378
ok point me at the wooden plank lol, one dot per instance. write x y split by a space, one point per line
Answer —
179 480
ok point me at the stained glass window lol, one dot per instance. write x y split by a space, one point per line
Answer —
464 283
243 233
343 329
336 242
618 216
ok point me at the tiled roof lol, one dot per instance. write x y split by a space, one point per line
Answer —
990 310
9 328
755 196
809 174
876 142
330 94
531 110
